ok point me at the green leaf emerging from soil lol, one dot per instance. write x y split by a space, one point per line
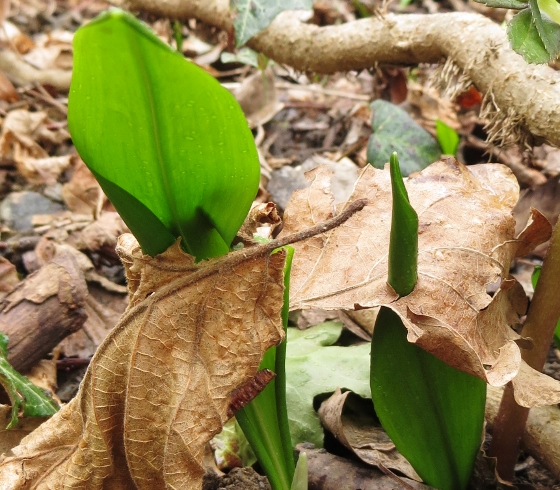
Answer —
314 366
255 15
394 130
24 395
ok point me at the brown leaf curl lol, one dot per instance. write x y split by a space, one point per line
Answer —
466 242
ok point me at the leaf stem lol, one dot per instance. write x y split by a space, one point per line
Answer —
539 326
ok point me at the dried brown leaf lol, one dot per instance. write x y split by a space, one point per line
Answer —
8 277
358 431
159 387
466 242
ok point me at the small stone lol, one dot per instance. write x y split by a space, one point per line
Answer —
287 179
18 209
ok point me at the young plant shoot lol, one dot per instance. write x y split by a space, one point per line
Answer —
172 150
433 413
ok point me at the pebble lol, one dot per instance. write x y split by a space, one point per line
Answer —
18 209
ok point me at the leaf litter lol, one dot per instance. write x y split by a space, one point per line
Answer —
466 242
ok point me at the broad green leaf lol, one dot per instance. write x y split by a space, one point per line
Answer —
432 412
394 130
170 147
505 4
447 137
254 15
549 31
525 39
534 280
315 367
24 395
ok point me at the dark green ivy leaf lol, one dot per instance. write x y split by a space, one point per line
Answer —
394 130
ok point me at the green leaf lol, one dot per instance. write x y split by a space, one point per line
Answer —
170 147
549 31
245 55
447 137
526 40
315 367
23 394
255 15
432 412
300 481
550 8
403 243
505 4
394 130
534 280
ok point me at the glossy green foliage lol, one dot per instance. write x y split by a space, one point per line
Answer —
395 131
170 147
447 137
432 412
24 395
403 246
533 35
534 280
264 420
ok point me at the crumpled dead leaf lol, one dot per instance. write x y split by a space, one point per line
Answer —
466 242
191 335
358 431
83 193
8 277
21 133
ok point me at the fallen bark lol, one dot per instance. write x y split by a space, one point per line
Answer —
42 310
542 432
519 98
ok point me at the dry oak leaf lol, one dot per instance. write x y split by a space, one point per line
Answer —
159 387
466 242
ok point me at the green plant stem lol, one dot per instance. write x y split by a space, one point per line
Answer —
540 325
280 369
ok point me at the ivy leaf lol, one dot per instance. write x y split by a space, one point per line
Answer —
23 394
394 130
255 15
170 147
525 39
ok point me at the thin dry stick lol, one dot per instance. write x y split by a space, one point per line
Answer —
539 326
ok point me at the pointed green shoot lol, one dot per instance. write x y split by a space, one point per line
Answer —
432 412
264 420
170 147
403 245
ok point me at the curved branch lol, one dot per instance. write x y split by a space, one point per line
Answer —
518 95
